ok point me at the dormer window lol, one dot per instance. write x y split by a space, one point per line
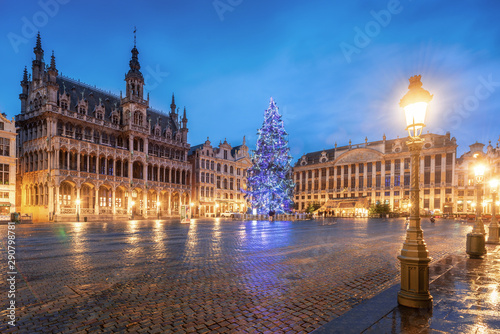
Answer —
99 114
82 109
64 105
114 119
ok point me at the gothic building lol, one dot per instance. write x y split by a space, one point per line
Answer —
219 175
346 180
88 154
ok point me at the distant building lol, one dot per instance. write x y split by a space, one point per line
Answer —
465 177
346 180
219 174
7 167
87 154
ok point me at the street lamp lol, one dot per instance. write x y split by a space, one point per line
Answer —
493 237
475 245
158 209
77 210
414 256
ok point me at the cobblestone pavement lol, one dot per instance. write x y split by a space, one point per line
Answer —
209 276
466 300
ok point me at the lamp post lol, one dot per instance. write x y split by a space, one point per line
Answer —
158 209
475 245
493 237
414 256
132 209
77 210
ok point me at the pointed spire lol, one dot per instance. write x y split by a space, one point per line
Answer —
135 66
135 36
244 140
25 75
38 48
52 61
172 105
184 115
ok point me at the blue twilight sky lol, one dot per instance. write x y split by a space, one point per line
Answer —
336 69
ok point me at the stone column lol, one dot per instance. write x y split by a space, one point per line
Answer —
96 201
158 201
58 201
129 202
51 200
145 203
113 201
78 161
169 203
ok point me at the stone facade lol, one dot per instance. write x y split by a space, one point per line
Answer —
219 175
377 172
466 190
7 167
88 154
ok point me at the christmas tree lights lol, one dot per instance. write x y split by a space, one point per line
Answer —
270 187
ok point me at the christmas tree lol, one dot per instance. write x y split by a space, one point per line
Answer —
270 187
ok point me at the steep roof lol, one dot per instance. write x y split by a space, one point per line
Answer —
93 95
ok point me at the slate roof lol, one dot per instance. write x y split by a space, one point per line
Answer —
77 89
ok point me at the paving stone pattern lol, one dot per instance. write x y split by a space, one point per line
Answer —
209 276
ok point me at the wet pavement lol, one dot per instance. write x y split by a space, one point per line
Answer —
216 276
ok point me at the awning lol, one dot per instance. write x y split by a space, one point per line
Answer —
345 203
5 204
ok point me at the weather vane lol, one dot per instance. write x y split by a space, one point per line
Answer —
135 31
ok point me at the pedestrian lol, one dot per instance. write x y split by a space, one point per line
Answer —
271 215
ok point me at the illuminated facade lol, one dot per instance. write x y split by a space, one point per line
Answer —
7 167
219 174
88 154
353 177
465 178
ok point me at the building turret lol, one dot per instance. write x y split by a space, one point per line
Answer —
24 95
38 64
172 105
184 129
52 86
134 78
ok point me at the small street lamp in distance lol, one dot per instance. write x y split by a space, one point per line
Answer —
414 256
493 237
158 209
475 244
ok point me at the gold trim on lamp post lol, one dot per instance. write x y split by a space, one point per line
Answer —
414 256
493 237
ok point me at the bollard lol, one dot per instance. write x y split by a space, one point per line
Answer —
475 245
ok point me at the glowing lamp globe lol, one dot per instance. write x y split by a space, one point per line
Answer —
414 104
479 172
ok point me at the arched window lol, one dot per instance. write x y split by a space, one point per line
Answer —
138 170
65 194
138 118
231 170
225 168
218 167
